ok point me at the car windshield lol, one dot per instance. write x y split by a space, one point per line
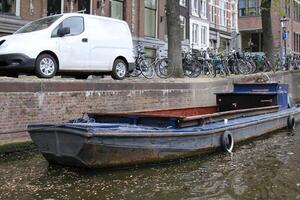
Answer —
38 24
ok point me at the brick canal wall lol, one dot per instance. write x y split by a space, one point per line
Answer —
24 102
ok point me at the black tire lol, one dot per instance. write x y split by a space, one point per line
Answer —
46 66
147 69
227 142
119 70
291 123
164 68
244 67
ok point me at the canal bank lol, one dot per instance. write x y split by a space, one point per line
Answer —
33 101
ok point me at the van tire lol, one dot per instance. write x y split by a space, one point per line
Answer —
50 66
119 70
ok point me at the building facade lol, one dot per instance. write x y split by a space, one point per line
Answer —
250 25
146 18
185 23
199 25
223 24
204 23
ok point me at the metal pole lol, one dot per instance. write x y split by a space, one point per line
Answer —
285 44
285 55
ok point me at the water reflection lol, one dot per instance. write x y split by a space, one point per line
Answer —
267 168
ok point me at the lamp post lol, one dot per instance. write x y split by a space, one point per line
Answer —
284 24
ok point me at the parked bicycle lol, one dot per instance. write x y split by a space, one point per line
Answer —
160 65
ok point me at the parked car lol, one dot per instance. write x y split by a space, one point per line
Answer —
72 43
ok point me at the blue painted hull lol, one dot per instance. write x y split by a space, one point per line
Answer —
109 145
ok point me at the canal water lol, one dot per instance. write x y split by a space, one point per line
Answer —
266 168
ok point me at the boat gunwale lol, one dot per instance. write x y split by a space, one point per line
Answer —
219 114
89 133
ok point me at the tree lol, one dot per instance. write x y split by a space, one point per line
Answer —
174 36
269 47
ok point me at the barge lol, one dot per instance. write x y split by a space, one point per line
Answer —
103 140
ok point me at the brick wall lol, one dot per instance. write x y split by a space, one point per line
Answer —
40 10
22 103
250 23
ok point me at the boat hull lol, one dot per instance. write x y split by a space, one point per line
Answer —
87 148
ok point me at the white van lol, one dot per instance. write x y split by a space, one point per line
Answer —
73 43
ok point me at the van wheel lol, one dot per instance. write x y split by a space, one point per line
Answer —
45 66
119 70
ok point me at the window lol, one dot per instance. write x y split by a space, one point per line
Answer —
242 8
249 8
38 24
288 8
296 42
116 9
195 33
203 8
84 5
203 35
222 13
183 27
296 9
212 14
150 54
182 3
195 7
76 25
53 7
8 7
150 18
252 8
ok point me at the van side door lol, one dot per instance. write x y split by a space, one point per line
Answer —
101 46
73 45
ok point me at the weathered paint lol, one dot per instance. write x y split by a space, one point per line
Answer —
83 145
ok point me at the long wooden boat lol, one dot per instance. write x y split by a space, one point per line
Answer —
119 139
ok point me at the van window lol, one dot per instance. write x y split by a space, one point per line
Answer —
38 24
76 25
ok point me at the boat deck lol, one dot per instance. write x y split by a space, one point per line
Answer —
109 128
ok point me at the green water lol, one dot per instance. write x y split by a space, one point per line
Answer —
267 168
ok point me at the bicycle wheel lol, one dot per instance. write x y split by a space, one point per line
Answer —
253 66
164 68
244 67
136 72
146 69
222 71
187 69
197 69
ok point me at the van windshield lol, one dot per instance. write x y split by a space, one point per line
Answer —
38 24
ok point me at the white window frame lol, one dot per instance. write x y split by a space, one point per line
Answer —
203 7
203 35
18 9
184 24
156 20
212 13
195 10
195 34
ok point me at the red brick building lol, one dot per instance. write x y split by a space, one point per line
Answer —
250 25
223 23
146 18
